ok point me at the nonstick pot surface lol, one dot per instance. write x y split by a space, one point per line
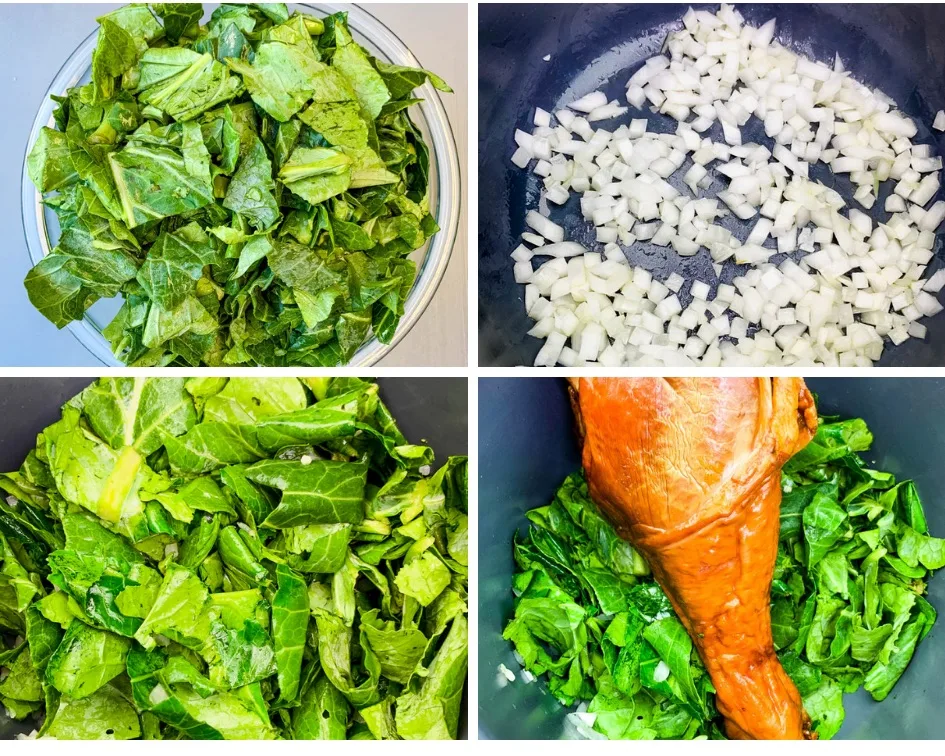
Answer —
899 49
429 410
527 447
433 411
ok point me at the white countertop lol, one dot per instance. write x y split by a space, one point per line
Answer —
440 337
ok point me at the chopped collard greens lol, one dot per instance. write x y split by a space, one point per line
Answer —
251 188
847 602
245 558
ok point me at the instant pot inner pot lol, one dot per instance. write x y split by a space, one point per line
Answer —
527 447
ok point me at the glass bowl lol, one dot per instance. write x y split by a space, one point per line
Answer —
42 229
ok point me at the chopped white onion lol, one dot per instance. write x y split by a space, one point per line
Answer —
849 283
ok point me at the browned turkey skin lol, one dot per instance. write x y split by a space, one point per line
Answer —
688 470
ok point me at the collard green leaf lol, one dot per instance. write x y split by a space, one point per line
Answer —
866 644
670 640
339 121
154 180
433 712
322 713
424 578
832 441
825 708
137 20
321 548
399 650
23 682
915 549
174 265
402 80
209 446
368 169
42 636
94 476
49 163
104 715
247 400
303 268
282 76
824 523
189 322
351 330
312 425
884 674
318 492
199 542
179 19
796 500
138 412
316 174
101 263
253 503
354 63
115 52
249 193
56 292
179 612
183 83
231 715
244 656
87 536
290 615
241 563
15 580
86 660
334 652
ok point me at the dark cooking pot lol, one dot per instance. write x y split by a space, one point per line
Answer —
428 410
522 463
898 48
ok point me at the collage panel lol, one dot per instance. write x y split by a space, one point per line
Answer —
722 186
234 185
679 558
236 378
233 558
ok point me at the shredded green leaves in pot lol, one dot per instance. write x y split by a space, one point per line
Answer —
251 188
847 601
238 558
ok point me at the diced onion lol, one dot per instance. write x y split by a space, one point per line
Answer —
850 284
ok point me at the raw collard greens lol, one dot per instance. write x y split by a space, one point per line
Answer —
238 559
251 188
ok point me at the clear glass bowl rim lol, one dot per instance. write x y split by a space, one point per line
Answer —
446 183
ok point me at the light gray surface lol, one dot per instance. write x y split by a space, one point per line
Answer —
36 40
437 34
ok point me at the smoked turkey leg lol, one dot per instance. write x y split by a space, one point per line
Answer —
688 470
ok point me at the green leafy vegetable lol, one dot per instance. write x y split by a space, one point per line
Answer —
224 179
233 558
290 616
847 606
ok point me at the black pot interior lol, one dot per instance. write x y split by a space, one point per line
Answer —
898 48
